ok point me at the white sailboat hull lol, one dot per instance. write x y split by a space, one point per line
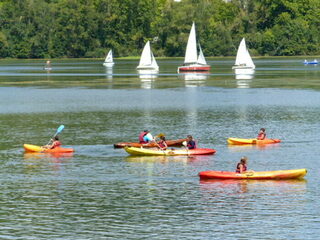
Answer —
148 68
108 64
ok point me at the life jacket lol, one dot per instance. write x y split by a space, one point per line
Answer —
161 144
141 135
244 167
261 136
191 144
56 144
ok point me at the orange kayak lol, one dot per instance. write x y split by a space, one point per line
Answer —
239 141
170 143
266 175
35 148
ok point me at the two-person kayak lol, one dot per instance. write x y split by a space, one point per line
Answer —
265 175
170 143
169 152
35 148
239 141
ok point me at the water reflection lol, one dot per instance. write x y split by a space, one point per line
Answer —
194 79
36 161
168 159
109 72
147 78
158 159
240 71
244 77
225 187
245 147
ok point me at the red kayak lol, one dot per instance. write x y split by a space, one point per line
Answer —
170 143
265 175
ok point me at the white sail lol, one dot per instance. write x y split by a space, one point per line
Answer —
191 51
154 62
201 59
109 58
243 58
108 61
147 60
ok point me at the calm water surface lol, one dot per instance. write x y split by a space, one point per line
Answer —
102 193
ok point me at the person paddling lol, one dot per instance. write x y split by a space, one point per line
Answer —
55 143
191 144
262 134
162 143
242 165
145 137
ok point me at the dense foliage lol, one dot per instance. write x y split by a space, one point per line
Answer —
88 28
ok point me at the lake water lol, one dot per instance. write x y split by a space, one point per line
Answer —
102 193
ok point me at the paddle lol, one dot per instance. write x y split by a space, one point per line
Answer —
59 130
186 146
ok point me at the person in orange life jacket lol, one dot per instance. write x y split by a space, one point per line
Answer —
162 143
145 137
242 165
191 144
262 134
54 143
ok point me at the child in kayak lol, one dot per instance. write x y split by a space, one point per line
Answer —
55 143
191 144
162 143
262 134
242 165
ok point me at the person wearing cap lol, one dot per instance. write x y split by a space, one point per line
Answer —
242 165
162 142
262 134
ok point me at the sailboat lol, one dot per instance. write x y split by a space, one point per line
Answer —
108 62
244 63
192 61
147 59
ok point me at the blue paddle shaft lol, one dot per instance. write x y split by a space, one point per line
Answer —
59 130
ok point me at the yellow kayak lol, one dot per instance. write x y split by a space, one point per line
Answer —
170 152
266 175
238 141
35 148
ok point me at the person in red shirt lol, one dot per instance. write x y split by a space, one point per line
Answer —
54 143
262 134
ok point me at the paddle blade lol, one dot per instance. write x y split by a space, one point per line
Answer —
60 129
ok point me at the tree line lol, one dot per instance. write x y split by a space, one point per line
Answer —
88 28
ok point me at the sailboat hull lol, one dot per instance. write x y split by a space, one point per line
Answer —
108 64
194 68
147 68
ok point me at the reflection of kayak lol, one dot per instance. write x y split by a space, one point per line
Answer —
170 143
41 155
35 148
267 175
169 152
252 141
